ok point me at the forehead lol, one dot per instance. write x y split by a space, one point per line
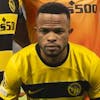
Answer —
51 19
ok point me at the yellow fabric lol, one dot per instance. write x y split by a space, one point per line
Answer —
26 67
4 57
20 2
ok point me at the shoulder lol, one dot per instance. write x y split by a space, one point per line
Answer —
20 60
26 50
84 55
23 55
81 50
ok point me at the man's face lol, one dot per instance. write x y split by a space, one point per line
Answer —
53 33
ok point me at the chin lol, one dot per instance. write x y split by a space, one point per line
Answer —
52 54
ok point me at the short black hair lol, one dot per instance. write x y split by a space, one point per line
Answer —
54 8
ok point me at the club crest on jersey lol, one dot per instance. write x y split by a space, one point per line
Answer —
12 5
74 89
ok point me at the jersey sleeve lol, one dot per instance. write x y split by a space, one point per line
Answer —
94 92
10 86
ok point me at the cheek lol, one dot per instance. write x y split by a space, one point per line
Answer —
41 39
64 38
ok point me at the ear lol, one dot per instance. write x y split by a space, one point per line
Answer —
70 30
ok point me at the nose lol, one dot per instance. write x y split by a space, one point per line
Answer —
51 37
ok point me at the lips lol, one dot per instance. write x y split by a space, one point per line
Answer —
52 47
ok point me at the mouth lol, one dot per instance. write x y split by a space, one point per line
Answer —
52 47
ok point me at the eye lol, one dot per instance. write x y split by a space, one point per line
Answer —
59 30
44 30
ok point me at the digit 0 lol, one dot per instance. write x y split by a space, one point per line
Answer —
90 8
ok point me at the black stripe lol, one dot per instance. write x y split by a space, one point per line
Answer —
6 42
4 6
1 76
1 98
55 90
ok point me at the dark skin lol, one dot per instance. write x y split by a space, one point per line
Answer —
53 33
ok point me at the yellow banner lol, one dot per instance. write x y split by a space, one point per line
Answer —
8 23
4 57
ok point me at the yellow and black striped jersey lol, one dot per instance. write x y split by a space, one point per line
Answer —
8 21
41 81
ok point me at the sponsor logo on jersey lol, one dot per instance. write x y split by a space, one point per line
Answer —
82 8
74 89
8 23
12 5
35 91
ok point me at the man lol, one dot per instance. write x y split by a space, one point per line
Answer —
86 11
53 68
